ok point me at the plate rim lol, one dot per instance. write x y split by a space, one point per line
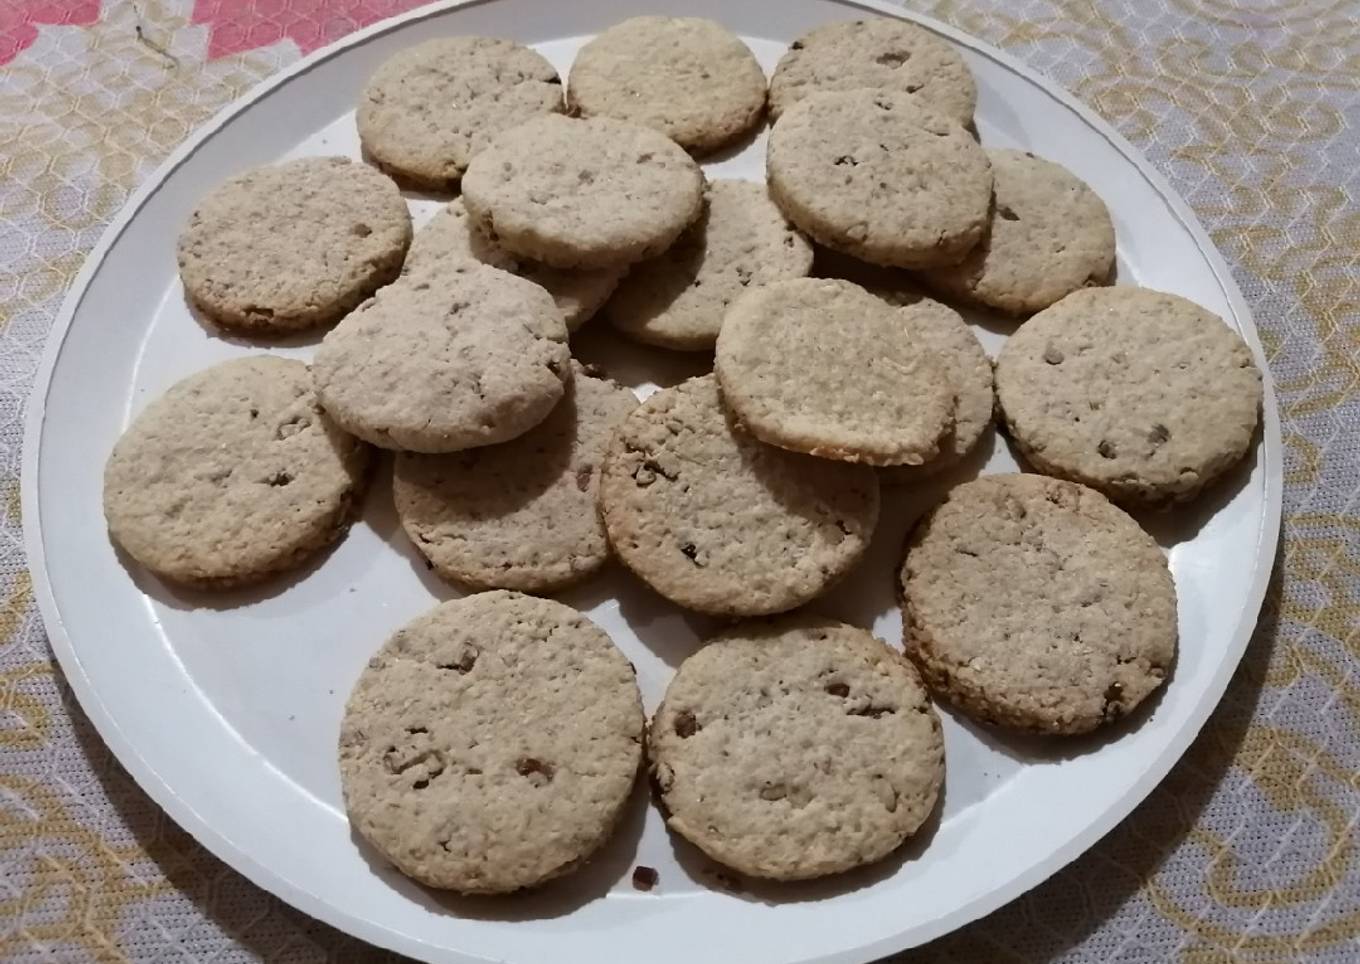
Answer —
151 782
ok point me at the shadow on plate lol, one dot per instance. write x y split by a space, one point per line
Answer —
409 191
380 515
739 145
1040 748
670 632
261 340
1182 523
188 867
610 867
376 511
633 364
188 599
1135 851
988 319
872 585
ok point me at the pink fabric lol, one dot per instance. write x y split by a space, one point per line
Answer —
238 25
19 21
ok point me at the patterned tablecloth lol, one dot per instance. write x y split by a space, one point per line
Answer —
1245 852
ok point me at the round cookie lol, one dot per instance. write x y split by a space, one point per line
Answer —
427 110
689 78
678 299
821 366
878 175
491 743
451 233
1143 395
293 245
1049 235
942 331
883 53
233 475
718 522
1034 603
519 515
583 193
796 748
449 357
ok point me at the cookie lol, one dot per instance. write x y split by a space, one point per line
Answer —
294 245
877 175
821 366
678 299
719 522
583 193
452 356
1143 395
1034 603
427 110
519 515
491 743
451 234
883 53
233 475
1049 235
796 748
689 78
942 331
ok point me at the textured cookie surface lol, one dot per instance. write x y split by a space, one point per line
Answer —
583 193
491 743
293 245
519 515
1034 603
880 176
883 53
821 366
1141 394
232 475
678 299
451 234
450 357
942 331
718 522
690 78
1050 234
428 109
796 747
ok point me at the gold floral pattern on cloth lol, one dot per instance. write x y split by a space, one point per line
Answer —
1245 853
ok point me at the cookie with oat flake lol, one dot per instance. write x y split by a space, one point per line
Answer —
688 77
796 748
490 744
452 356
878 175
583 192
428 109
1141 394
294 245
721 523
1035 604
519 515
232 476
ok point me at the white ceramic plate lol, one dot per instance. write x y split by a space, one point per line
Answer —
226 709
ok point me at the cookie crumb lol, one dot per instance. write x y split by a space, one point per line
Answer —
644 877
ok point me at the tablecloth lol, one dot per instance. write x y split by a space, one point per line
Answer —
1245 852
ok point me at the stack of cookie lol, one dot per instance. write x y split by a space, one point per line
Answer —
490 745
